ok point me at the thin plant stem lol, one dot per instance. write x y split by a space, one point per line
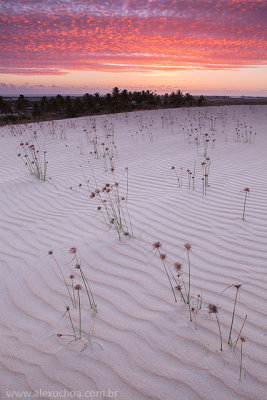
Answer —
57 264
127 184
87 286
74 299
80 314
190 312
89 291
195 319
68 311
244 208
169 280
219 329
240 331
232 322
241 359
189 278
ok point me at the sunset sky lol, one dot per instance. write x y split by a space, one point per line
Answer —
78 46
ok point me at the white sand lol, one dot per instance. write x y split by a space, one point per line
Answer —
150 349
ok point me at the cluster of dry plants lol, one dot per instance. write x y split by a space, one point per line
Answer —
34 160
181 288
191 175
82 309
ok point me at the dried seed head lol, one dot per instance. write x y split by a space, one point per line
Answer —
237 286
73 250
178 287
77 266
157 245
172 167
213 309
162 256
188 246
59 334
50 252
177 266
72 276
78 287
246 189
242 338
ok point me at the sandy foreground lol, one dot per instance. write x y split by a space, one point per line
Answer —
143 345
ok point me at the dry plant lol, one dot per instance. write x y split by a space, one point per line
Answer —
214 310
188 248
163 257
112 207
240 332
78 334
205 175
242 340
246 191
178 176
34 160
237 287
174 276
206 140
87 286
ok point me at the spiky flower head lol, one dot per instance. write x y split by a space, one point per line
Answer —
177 266
78 287
213 309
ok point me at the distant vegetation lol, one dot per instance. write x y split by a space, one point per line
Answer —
42 108
26 109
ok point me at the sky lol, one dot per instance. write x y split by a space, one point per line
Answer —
210 47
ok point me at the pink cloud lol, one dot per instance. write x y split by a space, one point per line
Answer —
137 35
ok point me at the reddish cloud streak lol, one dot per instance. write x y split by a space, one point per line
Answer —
48 37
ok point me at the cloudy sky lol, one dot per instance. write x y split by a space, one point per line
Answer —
78 46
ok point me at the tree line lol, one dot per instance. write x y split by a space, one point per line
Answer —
74 106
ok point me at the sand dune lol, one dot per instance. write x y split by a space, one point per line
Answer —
144 346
